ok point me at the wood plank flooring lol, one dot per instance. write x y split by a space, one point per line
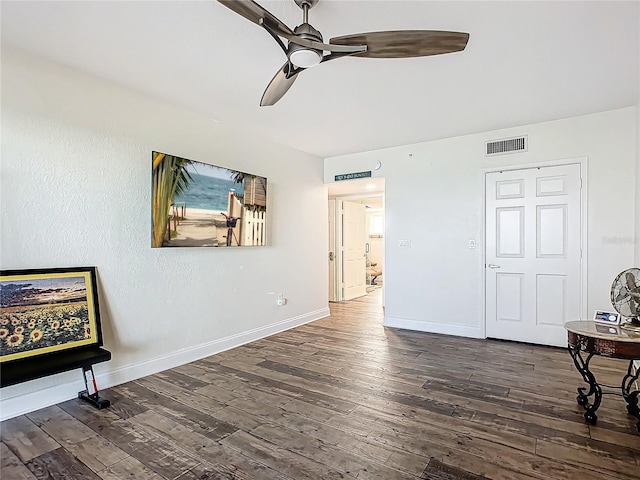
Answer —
342 397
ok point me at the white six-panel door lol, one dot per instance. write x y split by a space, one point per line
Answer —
533 253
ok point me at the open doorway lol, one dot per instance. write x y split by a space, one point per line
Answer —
356 240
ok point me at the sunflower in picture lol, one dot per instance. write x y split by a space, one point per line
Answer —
67 323
4 321
15 321
36 335
19 330
31 324
55 324
15 339
87 332
4 332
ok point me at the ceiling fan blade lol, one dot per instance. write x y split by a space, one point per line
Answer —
405 43
305 42
348 48
256 14
278 86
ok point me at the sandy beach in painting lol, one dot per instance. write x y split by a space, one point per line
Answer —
200 228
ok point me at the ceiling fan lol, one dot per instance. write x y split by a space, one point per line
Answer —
305 47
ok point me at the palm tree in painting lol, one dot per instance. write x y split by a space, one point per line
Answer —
237 177
169 178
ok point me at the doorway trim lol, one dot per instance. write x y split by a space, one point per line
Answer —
584 174
332 253
337 232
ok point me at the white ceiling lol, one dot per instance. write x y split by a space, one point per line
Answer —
526 62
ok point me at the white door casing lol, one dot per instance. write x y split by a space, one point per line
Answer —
354 239
333 271
533 253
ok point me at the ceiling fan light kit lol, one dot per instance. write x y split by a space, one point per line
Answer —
305 48
301 56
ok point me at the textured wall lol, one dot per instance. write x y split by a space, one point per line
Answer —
75 191
637 214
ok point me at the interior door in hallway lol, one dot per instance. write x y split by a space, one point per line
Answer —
533 253
354 239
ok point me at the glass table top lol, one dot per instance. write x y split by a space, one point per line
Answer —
600 330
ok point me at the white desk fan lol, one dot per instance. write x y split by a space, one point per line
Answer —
625 297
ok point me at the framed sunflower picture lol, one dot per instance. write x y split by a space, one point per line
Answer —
47 310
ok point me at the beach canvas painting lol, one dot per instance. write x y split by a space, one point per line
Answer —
196 204
44 311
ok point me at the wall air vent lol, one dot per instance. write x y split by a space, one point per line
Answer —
507 145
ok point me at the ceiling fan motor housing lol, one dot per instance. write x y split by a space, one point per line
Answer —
301 56
307 3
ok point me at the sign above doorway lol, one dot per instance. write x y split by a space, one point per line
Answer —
352 176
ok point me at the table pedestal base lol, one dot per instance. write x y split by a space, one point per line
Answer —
631 397
594 388
592 398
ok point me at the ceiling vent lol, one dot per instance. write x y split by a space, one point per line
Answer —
507 145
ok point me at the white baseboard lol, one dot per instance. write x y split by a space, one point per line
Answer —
431 327
29 402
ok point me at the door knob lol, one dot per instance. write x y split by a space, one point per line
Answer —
493 265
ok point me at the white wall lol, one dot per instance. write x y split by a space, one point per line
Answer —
376 243
75 191
637 215
434 198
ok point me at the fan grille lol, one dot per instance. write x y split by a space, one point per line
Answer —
625 293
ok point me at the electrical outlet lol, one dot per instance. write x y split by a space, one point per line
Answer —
281 300
404 243
472 243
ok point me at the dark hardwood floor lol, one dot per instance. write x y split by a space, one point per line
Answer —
341 397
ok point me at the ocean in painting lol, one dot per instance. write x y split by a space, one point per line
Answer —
208 192
42 291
